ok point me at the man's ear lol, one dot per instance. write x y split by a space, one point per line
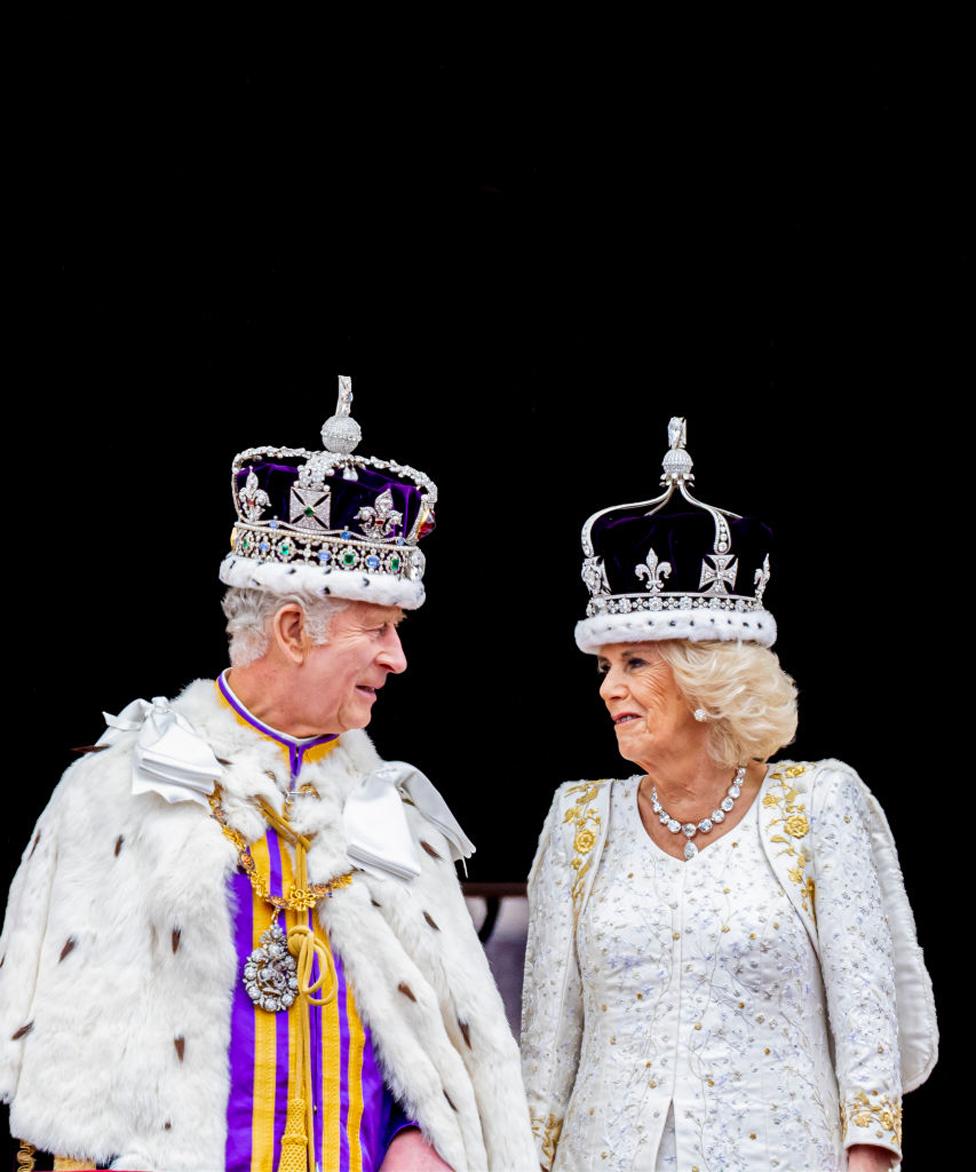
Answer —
289 633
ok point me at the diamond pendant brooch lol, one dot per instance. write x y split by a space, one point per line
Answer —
690 829
270 972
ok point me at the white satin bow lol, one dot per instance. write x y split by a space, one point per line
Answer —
377 832
170 757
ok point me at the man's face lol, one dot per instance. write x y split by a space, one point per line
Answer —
341 678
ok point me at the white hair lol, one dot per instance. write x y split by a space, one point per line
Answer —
249 613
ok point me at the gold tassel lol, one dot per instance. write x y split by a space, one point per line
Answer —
298 1142
25 1157
295 1143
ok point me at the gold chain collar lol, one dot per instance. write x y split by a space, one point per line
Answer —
303 895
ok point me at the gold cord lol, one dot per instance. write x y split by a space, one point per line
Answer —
297 1143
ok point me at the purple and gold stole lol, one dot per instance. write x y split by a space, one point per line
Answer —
356 1117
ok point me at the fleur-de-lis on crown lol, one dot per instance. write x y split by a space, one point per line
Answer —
654 571
379 521
594 575
253 500
762 577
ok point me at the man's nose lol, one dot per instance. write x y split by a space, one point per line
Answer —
391 656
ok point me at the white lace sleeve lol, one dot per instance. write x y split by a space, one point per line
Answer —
552 1001
857 962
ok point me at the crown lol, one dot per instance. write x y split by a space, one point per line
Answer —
330 522
674 567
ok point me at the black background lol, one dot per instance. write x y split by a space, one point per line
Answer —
527 268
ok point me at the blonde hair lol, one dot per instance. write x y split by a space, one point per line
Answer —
749 699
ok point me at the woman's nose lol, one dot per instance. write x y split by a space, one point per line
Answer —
612 687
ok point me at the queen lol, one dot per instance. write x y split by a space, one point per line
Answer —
722 969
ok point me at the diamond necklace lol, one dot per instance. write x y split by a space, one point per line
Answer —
690 829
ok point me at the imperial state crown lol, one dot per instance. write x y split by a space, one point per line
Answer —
330 522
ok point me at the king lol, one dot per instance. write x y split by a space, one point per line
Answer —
237 939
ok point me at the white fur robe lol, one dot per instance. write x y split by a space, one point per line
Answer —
118 965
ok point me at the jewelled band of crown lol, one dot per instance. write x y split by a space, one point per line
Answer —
640 560
342 551
627 603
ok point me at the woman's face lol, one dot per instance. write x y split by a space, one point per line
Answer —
650 716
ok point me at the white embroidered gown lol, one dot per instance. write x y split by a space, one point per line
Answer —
706 1043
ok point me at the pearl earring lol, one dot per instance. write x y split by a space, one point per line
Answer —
701 714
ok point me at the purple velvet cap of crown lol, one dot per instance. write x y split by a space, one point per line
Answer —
682 536
278 477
